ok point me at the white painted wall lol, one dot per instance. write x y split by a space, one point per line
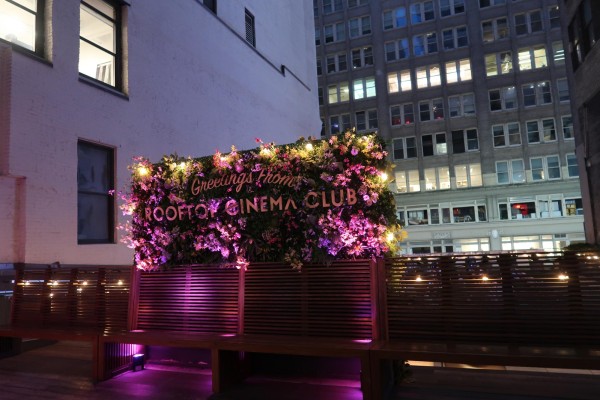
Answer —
193 85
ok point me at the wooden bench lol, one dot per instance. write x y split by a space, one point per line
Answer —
76 303
268 309
526 309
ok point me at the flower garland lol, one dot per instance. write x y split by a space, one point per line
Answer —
311 201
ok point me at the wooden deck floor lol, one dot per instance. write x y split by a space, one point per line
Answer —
62 371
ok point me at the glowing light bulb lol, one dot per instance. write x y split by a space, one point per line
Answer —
309 147
84 283
265 152
418 278
182 165
120 282
390 236
563 277
383 176
143 171
485 278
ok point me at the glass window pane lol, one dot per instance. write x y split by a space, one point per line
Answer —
17 25
92 223
97 29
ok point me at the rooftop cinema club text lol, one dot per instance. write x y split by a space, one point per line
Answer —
243 206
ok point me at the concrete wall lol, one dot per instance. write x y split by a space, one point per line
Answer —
193 85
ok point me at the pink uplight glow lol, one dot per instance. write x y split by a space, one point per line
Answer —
228 335
365 341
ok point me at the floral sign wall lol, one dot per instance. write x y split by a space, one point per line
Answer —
311 201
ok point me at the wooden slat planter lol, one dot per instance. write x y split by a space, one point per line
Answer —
520 309
78 303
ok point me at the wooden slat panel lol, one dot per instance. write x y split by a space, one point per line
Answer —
321 300
201 298
72 297
523 299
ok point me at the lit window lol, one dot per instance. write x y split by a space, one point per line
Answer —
338 93
21 23
468 175
407 181
558 53
532 58
498 63
458 71
437 179
399 81
364 88
99 42
428 76
95 206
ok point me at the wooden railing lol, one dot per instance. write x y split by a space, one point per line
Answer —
71 297
527 297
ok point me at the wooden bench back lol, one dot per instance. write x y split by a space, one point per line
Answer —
501 297
71 297
266 298
192 298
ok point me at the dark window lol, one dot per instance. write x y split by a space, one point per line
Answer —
211 5
95 206
27 31
427 145
458 142
250 31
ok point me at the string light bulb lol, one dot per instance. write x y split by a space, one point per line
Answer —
309 146
143 171
563 277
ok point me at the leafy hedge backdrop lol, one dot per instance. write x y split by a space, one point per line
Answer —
311 201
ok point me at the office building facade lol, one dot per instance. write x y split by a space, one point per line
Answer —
473 99
86 86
